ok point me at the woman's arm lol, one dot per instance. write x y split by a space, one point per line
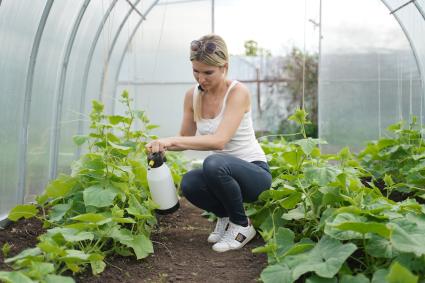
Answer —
238 102
188 127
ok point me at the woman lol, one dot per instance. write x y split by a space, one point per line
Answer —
217 116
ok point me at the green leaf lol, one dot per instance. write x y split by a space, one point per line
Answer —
57 278
331 228
97 266
388 180
365 227
400 274
30 253
359 278
380 276
320 175
58 211
379 247
325 259
60 187
293 158
317 279
408 235
300 116
141 245
23 210
98 196
116 119
291 201
80 139
5 249
14 277
71 235
89 217
119 147
276 274
309 144
40 269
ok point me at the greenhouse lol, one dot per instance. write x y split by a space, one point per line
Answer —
295 128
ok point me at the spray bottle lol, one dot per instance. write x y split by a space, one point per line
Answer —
161 184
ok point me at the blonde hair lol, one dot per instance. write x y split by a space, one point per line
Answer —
218 58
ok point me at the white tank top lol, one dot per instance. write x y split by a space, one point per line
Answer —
243 144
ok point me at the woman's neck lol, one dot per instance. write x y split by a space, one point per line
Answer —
218 90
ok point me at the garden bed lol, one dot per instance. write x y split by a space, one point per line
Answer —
182 253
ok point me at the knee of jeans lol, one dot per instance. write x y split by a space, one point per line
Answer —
213 164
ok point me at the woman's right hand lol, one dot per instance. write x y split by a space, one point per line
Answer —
159 145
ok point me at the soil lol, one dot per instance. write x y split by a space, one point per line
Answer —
182 253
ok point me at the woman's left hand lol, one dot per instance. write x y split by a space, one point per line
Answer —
159 145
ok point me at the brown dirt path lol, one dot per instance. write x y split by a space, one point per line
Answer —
182 254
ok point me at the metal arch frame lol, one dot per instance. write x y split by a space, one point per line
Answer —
409 39
129 40
419 7
111 48
23 139
87 68
57 116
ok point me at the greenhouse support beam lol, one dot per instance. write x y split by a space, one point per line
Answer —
135 8
130 38
23 139
179 2
421 11
401 7
409 39
87 69
57 117
111 49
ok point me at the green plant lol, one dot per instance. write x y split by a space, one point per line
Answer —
102 207
322 224
400 156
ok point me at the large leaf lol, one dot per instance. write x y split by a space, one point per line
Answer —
276 274
60 186
58 211
98 196
331 226
14 277
57 278
400 274
317 279
28 253
325 259
359 278
71 235
141 245
321 175
408 235
380 247
24 210
40 269
308 144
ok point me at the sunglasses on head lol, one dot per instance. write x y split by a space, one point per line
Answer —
207 47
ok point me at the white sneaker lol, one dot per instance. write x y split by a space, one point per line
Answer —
235 237
218 232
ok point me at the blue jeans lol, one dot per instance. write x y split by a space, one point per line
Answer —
224 183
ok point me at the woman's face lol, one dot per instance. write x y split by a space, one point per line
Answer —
208 76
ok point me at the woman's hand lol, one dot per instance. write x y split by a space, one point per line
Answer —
159 145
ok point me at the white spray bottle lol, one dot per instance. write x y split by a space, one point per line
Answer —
161 184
